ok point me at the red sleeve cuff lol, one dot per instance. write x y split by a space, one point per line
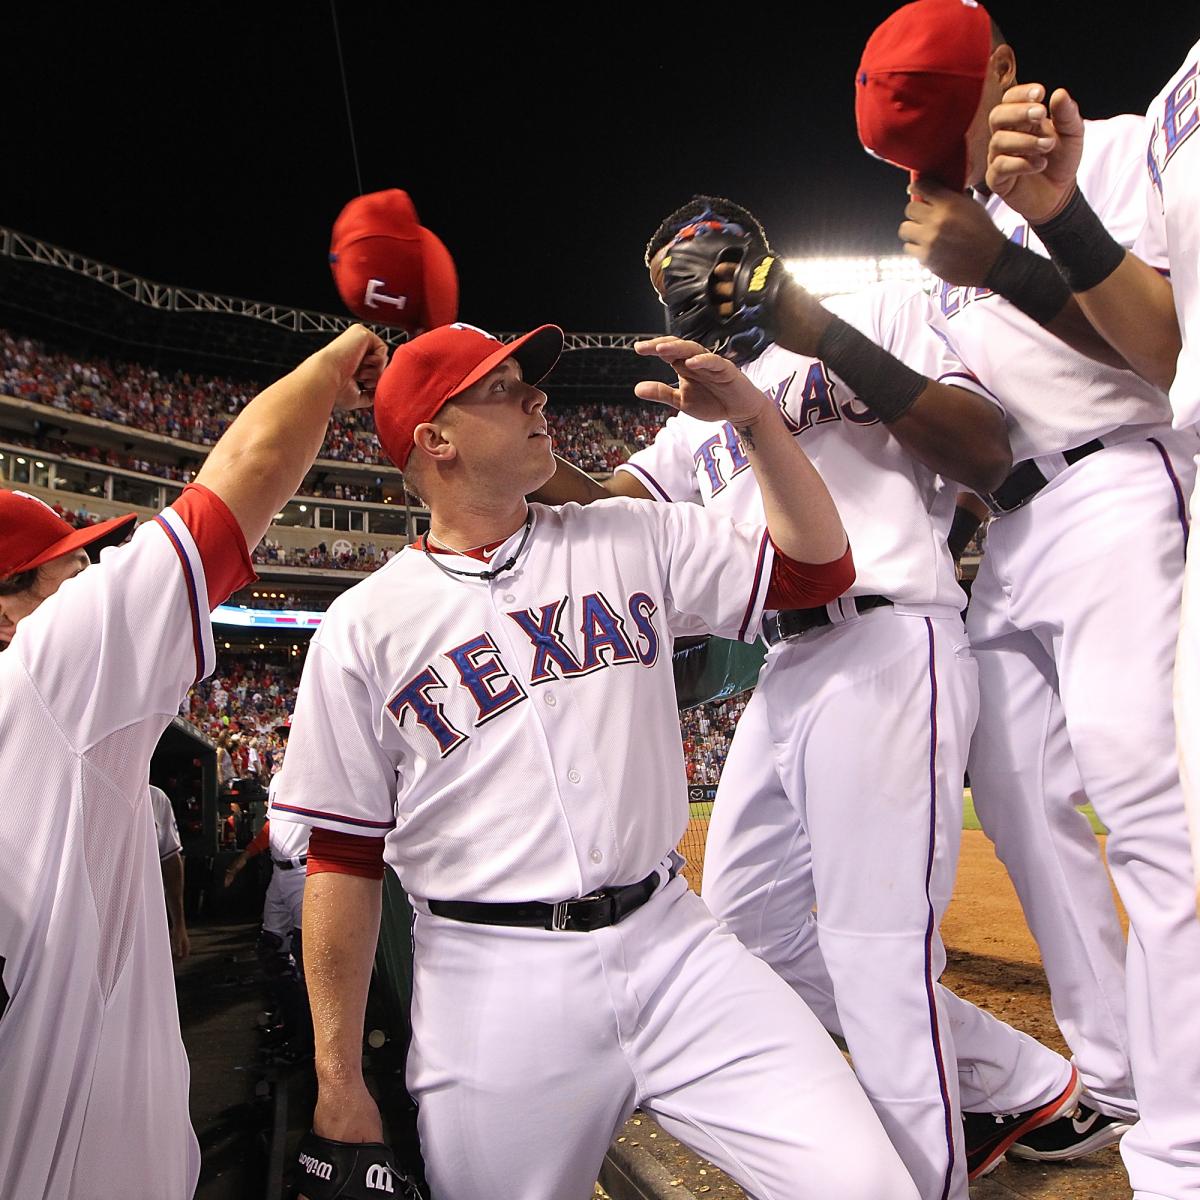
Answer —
345 854
805 585
219 539
262 839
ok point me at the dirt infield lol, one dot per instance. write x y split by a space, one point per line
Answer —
991 960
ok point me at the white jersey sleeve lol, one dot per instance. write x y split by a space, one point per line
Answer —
1113 185
125 639
715 570
666 468
337 773
165 828
908 325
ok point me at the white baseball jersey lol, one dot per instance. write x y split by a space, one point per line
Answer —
518 739
1172 232
895 510
165 828
288 839
1055 398
93 1070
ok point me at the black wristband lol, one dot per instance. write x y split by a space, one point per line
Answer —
962 530
1084 252
1028 282
883 383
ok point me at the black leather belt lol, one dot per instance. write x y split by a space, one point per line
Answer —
287 864
1026 480
607 907
792 622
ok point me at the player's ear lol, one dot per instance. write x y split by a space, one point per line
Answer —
429 440
1003 66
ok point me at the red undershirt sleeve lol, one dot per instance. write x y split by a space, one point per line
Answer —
219 538
345 854
806 585
262 839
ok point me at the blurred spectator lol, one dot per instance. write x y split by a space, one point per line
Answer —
707 731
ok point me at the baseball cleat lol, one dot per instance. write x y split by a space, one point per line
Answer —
989 1135
1073 1136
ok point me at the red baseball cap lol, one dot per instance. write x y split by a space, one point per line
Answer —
441 364
919 85
388 267
32 533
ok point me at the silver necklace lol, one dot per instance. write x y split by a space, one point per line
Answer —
507 565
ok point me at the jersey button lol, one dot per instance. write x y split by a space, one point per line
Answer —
597 856
551 699
508 598
573 775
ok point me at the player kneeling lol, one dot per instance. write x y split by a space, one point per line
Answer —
493 715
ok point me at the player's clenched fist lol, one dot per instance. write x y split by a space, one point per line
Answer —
1034 151
710 387
357 358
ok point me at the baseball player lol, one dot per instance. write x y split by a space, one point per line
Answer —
280 942
1073 616
95 1078
170 862
871 838
1153 320
493 714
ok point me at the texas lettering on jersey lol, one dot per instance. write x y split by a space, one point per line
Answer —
804 403
1177 121
478 665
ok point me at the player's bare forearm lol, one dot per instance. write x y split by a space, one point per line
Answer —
172 875
958 434
341 929
1134 309
260 461
1033 163
801 516
570 484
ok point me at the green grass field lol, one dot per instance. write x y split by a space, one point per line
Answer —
703 810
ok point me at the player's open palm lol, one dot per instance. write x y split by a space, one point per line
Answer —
1035 150
710 388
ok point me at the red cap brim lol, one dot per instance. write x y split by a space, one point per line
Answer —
92 538
536 353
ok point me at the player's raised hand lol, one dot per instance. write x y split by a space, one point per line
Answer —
357 358
710 388
1035 150
949 233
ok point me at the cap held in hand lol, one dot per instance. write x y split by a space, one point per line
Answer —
919 85
389 269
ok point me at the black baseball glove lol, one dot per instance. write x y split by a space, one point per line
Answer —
329 1170
693 306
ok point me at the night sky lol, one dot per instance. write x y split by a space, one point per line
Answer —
207 144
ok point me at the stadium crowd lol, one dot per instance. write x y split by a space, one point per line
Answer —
241 707
366 557
707 731
198 408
